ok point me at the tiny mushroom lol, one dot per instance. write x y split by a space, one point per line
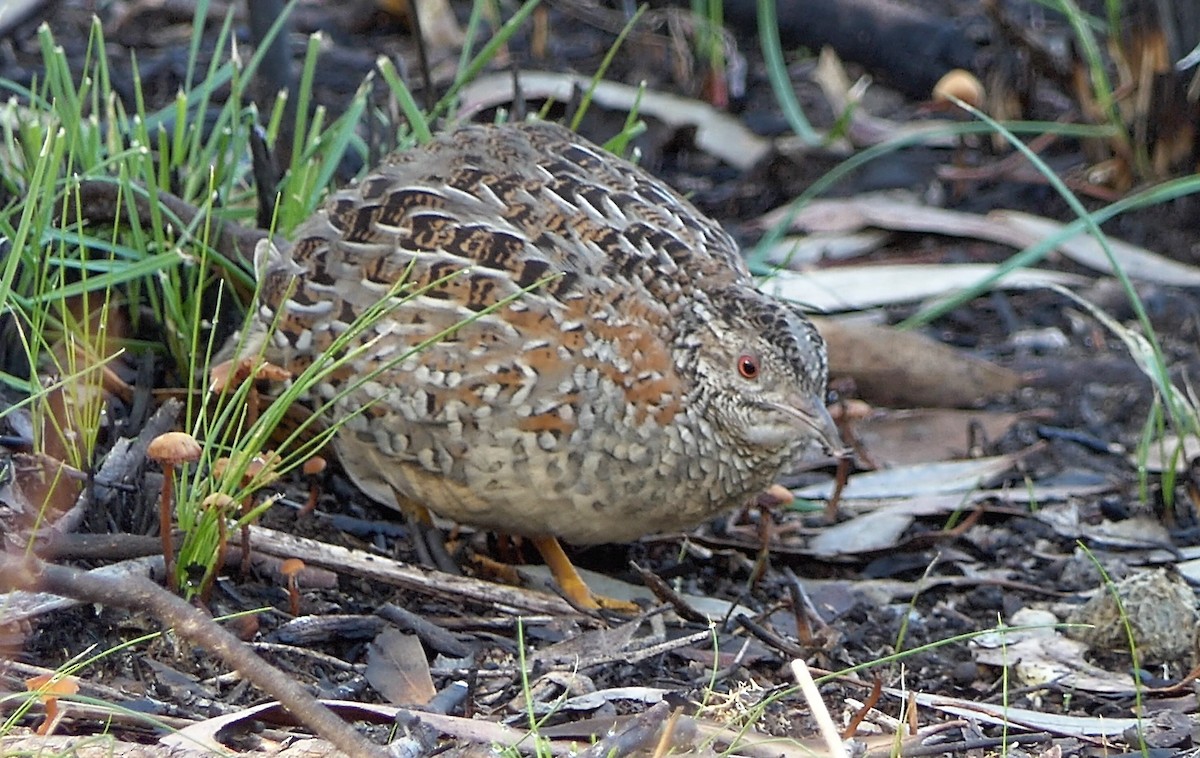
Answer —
957 90
228 376
259 471
779 495
49 689
960 85
170 450
312 470
262 469
291 568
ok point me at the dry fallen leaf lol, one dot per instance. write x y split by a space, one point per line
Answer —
851 288
865 534
717 132
1168 451
1136 262
397 668
1005 713
1006 227
49 687
921 479
907 369
925 435
1040 655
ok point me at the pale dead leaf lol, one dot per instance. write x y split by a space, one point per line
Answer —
1048 498
472 730
21 605
1137 533
439 26
1003 713
1136 262
925 435
850 288
397 668
1043 656
19 741
921 479
717 132
592 642
1167 451
1056 661
13 13
1189 569
869 533
864 128
203 734
794 252
921 506
1013 228
590 701
894 211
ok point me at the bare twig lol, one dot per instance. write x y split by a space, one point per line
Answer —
138 593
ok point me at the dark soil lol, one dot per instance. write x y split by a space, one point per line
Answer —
1080 399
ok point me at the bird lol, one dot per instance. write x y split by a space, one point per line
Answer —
525 333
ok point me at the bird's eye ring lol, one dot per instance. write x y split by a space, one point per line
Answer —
748 366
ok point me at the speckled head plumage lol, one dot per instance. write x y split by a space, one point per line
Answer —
760 366
611 399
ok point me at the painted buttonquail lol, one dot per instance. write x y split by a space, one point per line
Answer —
606 368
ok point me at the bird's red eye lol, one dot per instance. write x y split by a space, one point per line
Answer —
748 366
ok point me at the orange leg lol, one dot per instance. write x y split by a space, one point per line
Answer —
571 582
568 578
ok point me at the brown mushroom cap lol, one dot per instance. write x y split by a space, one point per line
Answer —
272 373
219 501
960 84
313 465
779 495
229 375
50 687
174 448
291 567
263 468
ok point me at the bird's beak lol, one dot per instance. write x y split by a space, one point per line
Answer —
812 413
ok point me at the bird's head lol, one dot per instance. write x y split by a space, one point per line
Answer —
763 369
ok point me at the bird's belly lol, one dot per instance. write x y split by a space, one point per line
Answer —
600 491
